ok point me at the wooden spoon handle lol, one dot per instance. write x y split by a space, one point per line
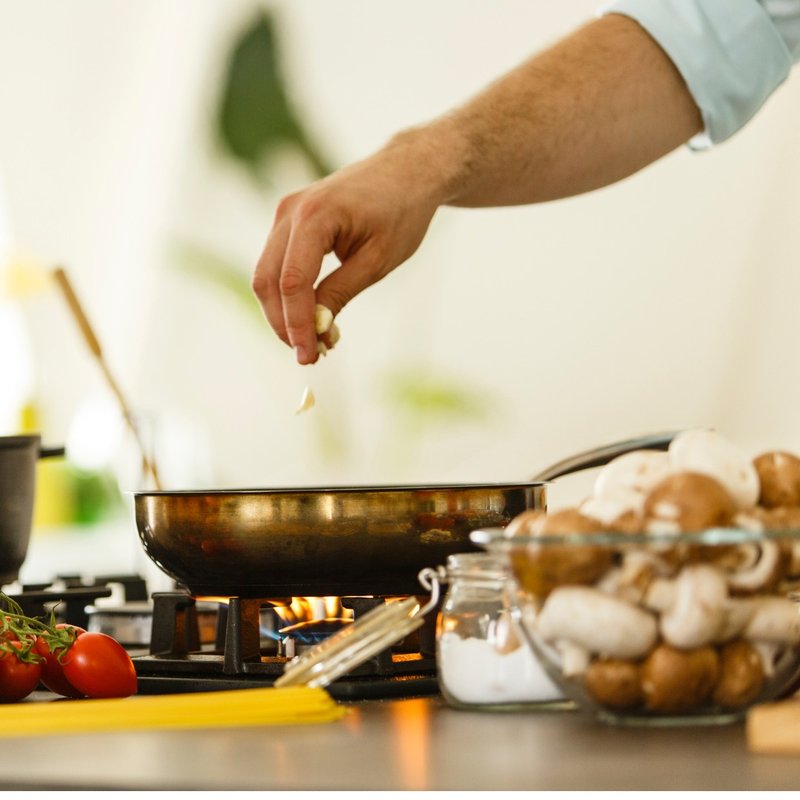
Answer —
93 343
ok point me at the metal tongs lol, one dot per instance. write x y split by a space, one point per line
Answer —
369 635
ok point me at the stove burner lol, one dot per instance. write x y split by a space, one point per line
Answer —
69 597
241 657
180 644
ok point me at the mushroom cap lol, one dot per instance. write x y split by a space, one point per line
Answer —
712 454
525 523
541 568
779 477
619 509
688 501
614 683
741 675
637 471
675 681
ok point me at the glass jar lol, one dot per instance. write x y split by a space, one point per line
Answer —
482 658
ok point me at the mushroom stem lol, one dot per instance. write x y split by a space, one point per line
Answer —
775 619
698 611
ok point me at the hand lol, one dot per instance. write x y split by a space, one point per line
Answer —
372 215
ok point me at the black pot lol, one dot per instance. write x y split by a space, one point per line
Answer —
18 457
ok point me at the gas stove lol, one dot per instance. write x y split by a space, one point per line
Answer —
179 643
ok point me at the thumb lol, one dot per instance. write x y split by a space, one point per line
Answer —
355 274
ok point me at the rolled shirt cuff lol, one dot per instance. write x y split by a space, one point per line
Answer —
729 52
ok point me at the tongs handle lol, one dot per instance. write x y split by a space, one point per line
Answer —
602 455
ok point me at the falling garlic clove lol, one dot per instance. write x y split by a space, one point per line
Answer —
306 402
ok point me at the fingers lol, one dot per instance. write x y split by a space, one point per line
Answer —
266 277
354 275
301 266
285 273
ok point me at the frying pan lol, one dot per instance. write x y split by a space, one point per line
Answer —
18 457
348 540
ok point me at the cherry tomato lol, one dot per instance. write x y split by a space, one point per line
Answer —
52 670
98 666
17 678
6 632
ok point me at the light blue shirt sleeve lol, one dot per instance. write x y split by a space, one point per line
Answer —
732 54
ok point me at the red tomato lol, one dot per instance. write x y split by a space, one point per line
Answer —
52 670
98 666
17 678
7 634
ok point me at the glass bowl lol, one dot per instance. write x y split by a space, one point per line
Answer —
668 629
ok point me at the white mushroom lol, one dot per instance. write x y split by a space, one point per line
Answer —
769 653
638 471
613 504
762 567
574 658
633 578
697 612
775 619
599 623
737 614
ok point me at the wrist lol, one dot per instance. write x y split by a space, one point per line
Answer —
436 157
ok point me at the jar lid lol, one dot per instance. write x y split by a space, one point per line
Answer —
487 565
379 628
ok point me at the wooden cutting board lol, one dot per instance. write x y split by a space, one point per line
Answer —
775 727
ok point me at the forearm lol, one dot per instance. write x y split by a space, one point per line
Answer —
596 107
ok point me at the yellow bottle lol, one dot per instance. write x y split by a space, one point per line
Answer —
54 502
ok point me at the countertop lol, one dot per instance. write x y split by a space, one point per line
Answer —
413 744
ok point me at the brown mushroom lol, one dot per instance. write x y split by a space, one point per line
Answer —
741 675
614 683
524 523
779 476
540 568
675 681
688 501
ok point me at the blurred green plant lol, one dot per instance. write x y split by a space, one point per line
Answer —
424 397
255 122
255 117
96 496
201 262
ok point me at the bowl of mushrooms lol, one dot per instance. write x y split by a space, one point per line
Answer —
668 596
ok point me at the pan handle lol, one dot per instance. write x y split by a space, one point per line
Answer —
51 452
602 455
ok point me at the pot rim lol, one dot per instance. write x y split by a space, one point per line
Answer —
21 440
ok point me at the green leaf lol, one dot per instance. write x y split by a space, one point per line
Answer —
255 116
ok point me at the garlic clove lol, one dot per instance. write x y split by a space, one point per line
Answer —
307 401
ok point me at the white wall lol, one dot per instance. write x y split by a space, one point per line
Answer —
663 302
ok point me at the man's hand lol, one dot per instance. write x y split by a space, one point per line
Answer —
372 215
596 107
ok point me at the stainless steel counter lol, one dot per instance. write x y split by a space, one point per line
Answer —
417 744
